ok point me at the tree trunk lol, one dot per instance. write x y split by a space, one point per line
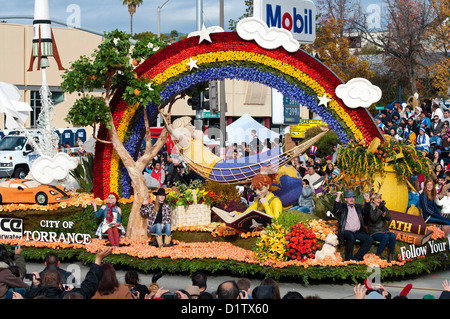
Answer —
136 228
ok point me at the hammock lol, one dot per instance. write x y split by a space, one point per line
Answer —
242 170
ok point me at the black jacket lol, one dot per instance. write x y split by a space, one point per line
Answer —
377 222
342 210
87 288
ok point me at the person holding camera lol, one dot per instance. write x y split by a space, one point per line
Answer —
50 286
11 272
378 217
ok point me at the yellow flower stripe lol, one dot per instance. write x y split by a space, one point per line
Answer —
281 66
115 159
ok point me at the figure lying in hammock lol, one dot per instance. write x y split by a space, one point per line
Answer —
189 143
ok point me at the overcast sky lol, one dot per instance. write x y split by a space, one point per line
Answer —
107 15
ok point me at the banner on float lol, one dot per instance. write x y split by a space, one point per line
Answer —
432 247
11 228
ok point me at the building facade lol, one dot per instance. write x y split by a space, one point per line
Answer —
15 55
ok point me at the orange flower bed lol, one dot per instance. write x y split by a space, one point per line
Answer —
197 250
75 200
217 229
322 228
437 232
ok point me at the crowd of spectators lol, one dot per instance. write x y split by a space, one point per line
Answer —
101 282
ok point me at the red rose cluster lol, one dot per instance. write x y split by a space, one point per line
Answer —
301 243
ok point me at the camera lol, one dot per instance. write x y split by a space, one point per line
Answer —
170 295
30 276
133 292
13 248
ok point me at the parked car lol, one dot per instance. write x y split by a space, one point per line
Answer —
28 191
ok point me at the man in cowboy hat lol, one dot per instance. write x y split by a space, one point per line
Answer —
351 225
159 217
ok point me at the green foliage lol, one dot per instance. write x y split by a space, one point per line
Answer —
108 70
147 46
89 110
226 193
84 173
292 217
347 274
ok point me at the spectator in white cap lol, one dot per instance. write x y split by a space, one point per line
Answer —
423 140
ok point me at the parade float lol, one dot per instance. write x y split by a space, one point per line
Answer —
286 247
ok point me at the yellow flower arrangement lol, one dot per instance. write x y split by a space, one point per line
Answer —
272 243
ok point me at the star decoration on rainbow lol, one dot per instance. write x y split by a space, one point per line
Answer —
204 34
323 100
192 64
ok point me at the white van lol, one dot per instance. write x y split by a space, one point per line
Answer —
16 156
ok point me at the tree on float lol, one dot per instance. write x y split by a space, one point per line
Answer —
111 70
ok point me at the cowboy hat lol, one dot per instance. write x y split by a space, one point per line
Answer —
349 194
160 192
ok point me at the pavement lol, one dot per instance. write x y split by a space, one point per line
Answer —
428 284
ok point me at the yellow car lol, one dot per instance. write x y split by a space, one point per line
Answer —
26 191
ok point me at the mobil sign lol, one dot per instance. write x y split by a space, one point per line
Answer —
296 16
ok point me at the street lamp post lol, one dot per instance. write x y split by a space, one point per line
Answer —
198 122
159 17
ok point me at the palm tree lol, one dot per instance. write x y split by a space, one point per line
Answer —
132 4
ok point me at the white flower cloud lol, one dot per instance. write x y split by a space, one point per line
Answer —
46 169
268 38
358 92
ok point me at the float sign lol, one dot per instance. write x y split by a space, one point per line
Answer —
11 228
296 16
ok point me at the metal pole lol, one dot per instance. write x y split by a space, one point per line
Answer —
198 122
222 103
159 20
159 17
199 14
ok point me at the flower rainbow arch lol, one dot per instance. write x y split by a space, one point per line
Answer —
297 75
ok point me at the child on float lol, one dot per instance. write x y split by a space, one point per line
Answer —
111 219
443 200
159 217
265 200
